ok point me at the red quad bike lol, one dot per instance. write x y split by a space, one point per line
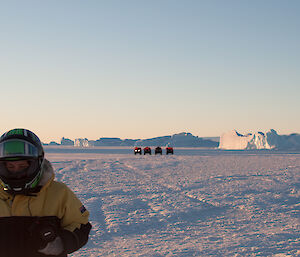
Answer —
169 150
158 150
137 150
147 150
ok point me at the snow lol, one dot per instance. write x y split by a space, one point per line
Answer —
259 140
214 203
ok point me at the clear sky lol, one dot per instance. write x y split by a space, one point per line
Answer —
141 69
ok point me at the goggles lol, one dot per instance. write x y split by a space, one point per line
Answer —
16 149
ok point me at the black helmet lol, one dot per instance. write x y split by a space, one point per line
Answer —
21 144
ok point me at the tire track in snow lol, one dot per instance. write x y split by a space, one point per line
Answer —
174 188
163 203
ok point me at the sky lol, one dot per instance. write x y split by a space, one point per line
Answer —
141 69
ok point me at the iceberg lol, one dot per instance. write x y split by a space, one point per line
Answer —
233 140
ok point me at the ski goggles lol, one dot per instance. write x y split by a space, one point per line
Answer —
15 149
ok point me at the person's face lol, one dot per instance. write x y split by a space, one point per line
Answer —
15 166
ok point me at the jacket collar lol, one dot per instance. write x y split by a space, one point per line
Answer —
48 173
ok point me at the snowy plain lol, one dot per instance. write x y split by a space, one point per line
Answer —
198 202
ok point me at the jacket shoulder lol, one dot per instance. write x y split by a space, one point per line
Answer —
60 189
59 185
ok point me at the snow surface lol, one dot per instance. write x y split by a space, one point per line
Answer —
216 203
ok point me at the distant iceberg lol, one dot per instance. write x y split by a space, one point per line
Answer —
183 139
81 142
233 140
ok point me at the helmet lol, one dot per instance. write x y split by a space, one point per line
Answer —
21 144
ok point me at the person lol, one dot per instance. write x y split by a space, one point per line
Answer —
38 216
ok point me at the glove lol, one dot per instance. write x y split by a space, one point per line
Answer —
44 235
54 247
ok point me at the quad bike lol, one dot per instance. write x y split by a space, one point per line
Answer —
137 150
147 150
169 150
158 150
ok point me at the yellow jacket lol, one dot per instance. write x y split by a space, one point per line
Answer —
54 199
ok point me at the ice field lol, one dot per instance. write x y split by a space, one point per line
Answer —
194 203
